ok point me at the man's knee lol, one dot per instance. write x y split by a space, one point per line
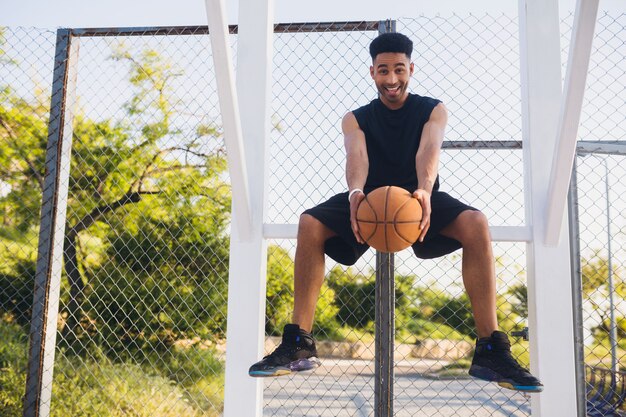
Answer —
476 225
470 225
311 228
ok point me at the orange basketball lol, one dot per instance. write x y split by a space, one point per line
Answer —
389 219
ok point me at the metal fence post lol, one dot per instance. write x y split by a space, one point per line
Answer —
385 320
577 298
385 329
45 308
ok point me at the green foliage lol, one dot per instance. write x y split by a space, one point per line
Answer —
16 292
279 301
166 280
4 59
595 282
188 382
595 274
13 357
279 298
518 297
355 296
23 136
602 330
439 306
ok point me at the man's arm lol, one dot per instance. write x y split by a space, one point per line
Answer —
357 166
427 161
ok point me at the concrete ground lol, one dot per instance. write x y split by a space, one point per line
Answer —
344 387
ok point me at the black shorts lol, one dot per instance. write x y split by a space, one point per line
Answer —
344 248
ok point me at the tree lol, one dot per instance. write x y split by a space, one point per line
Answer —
169 180
595 283
356 297
519 302
128 177
279 299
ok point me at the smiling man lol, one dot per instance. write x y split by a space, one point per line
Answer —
396 140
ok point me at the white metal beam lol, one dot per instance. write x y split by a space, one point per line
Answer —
243 395
571 104
550 314
498 233
235 153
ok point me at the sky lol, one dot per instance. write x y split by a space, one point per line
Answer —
81 13
75 13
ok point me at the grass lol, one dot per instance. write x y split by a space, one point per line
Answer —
186 383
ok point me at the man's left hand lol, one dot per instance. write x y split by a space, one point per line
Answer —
423 197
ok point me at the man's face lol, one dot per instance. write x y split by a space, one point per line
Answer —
391 72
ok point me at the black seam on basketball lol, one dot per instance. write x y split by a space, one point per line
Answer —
385 215
400 234
375 220
405 222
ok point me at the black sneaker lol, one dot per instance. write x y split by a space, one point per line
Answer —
295 353
493 362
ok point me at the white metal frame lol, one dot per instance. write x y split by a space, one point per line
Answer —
231 120
550 309
248 248
547 155
571 104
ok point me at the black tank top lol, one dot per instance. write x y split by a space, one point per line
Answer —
392 138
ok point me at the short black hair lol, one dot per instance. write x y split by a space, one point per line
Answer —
391 42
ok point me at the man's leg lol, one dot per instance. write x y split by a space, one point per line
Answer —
492 360
297 351
472 230
308 269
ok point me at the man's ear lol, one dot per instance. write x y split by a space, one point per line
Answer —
411 68
372 71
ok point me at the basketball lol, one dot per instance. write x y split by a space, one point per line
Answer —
389 219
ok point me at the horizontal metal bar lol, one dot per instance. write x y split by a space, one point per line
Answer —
510 233
326 27
147 31
614 147
482 144
280 231
233 29
498 233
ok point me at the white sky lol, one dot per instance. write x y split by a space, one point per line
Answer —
85 13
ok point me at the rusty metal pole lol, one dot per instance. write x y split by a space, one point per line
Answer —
47 290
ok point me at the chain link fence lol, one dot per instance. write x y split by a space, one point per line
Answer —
143 297
472 65
601 223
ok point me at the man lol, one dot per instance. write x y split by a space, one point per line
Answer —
396 140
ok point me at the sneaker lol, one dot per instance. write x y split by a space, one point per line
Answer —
493 362
295 353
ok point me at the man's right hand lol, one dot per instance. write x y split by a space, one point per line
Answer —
355 200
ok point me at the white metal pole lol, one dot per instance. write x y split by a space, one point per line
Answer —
548 267
571 104
235 153
243 396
